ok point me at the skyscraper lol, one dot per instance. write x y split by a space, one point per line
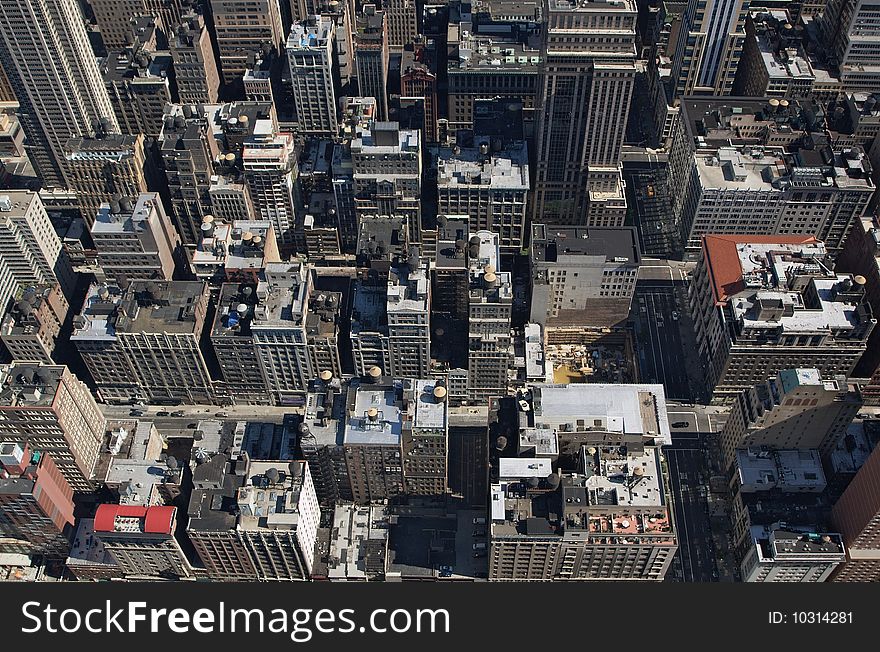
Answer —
244 27
708 50
586 87
46 54
310 56
371 57
113 17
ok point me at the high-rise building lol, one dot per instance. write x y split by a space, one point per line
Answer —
134 239
585 90
711 40
425 437
195 69
489 182
861 256
244 27
856 515
30 328
113 17
782 554
138 79
295 330
604 513
104 168
583 276
188 146
402 23
29 246
269 165
490 302
767 191
310 56
233 344
798 409
36 502
46 54
371 57
851 32
387 166
47 408
764 304
391 326
142 343
141 540
497 54
272 533
773 61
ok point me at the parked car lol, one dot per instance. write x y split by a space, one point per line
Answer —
479 520
163 413
221 415
192 425
480 546
680 424
178 413
136 413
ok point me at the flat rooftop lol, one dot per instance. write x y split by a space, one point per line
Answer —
561 244
375 417
634 409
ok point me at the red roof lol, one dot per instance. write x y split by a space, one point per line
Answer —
722 259
157 519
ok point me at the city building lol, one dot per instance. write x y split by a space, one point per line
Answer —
242 28
370 47
856 515
782 555
612 521
46 408
387 168
391 324
402 23
269 165
418 81
235 252
585 101
788 471
142 343
849 31
138 78
30 327
490 303
310 57
762 191
141 540
773 62
798 409
487 182
861 256
103 168
272 533
135 239
584 276
709 46
45 53
358 543
495 51
195 69
295 329
764 304
233 344
113 16
36 502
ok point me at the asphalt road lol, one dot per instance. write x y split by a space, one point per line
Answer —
468 465
695 559
660 346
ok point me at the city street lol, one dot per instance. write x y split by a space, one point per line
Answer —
695 560
659 339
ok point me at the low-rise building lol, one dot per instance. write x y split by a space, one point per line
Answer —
31 325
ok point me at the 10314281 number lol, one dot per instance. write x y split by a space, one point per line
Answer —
810 618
